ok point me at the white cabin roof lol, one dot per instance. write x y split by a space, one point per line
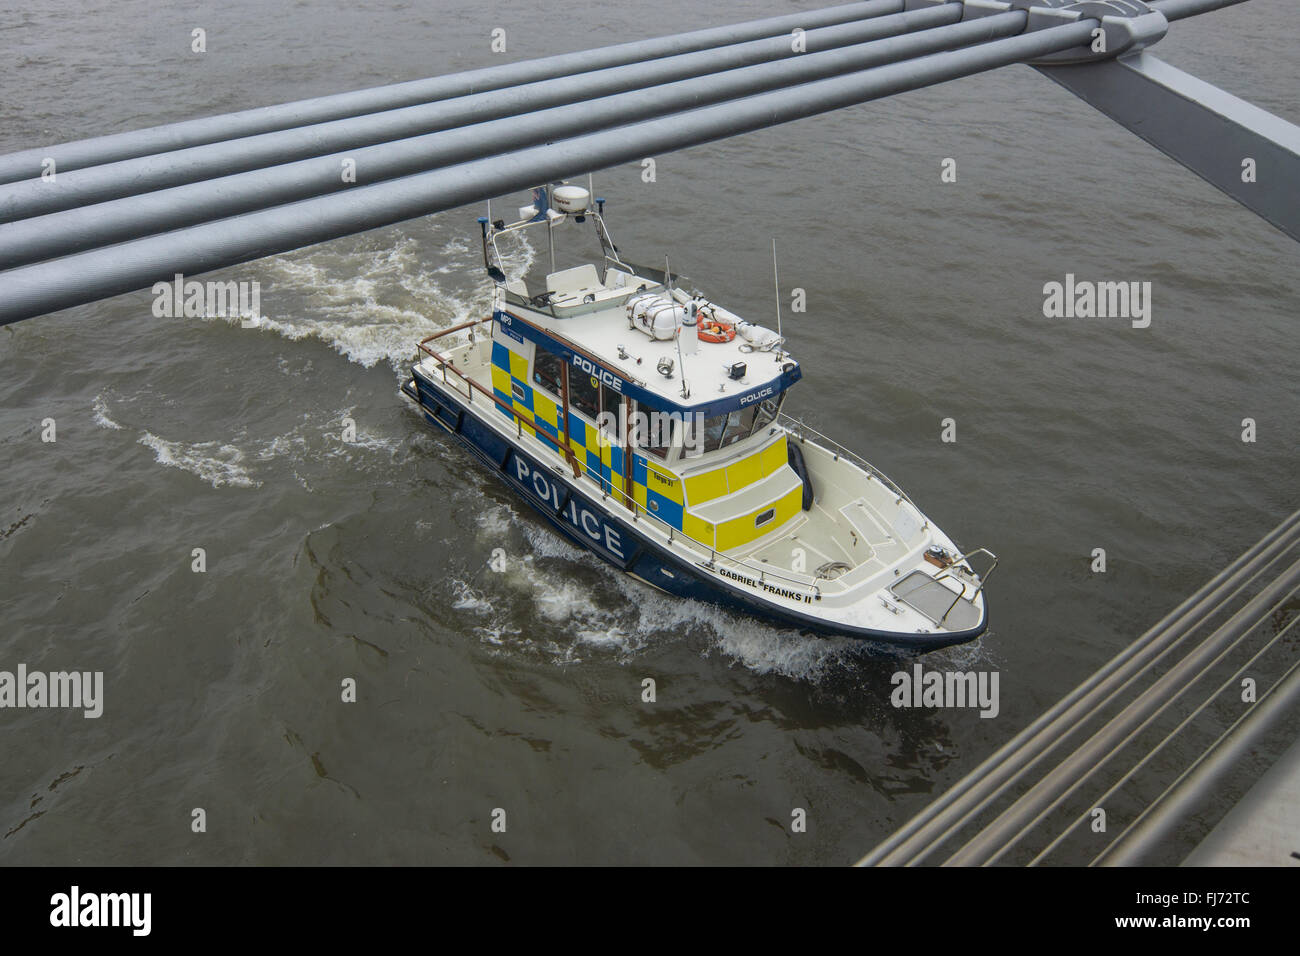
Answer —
602 329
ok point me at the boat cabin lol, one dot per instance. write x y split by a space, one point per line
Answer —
665 400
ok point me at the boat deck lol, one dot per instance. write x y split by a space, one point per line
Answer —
826 542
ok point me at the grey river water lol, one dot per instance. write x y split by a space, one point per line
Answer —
328 560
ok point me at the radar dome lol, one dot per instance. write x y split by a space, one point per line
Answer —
571 199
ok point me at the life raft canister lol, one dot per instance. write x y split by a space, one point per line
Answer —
713 329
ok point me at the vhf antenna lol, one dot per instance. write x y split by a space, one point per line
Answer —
776 287
681 362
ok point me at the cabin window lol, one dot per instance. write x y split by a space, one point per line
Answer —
767 412
547 371
610 400
723 430
661 434
714 429
611 406
584 394
654 430
739 425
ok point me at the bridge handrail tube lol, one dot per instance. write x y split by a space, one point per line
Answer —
1006 830
1179 9
118 220
921 833
27 164
87 276
1201 781
1052 737
1231 682
144 174
987 783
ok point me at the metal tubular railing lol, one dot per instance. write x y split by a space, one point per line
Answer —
940 821
272 168
102 205
1178 9
159 139
797 428
1136 843
957 564
1017 820
128 265
1224 686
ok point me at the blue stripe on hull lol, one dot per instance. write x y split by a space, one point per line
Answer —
617 541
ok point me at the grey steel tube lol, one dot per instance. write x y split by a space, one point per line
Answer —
1137 844
1010 825
148 173
64 233
100 273
1229 684
1178 9
157 139
925 831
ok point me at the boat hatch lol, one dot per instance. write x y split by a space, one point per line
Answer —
940 604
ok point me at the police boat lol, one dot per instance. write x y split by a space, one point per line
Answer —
646 423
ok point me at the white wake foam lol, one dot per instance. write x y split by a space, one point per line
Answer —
101 414
615 615
375 305
216 463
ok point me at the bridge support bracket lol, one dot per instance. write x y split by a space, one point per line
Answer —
1126 26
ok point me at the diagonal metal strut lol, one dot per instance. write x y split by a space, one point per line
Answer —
1250 154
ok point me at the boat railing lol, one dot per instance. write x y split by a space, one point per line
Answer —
957 565
801 430
446 363
982 577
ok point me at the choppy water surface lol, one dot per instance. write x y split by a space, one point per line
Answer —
328 560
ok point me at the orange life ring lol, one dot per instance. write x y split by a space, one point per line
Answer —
714 329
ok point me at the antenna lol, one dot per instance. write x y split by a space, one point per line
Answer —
550 223
681 362
776 285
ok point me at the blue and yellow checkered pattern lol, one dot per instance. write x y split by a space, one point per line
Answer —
541 417
654 488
